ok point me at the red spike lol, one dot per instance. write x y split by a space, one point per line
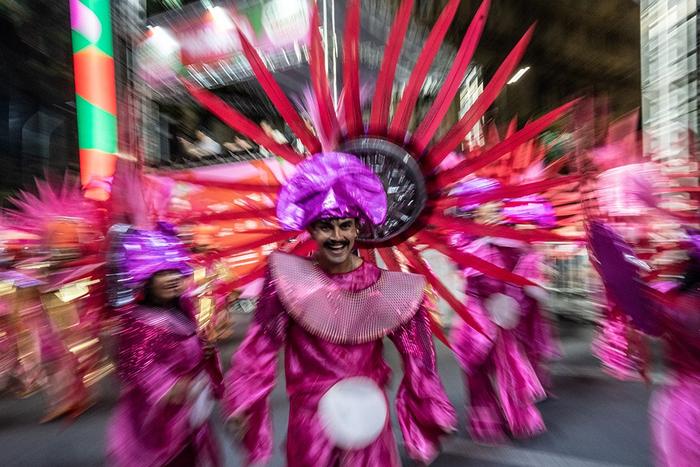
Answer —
507 192
389 257
457 133
467 167
236 215
278 97
472 228
192 178
319 80
426 130
369 255
468 260
420 266
252 244
238 121
385 78
351 70
404 110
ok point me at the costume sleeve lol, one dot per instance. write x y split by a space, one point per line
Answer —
251 378
424 411
140 361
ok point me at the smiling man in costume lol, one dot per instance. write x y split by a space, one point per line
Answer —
330 313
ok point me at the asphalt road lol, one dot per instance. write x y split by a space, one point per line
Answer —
593 420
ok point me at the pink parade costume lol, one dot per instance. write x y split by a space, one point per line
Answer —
158 348
502 381
331 328
675 409
503 371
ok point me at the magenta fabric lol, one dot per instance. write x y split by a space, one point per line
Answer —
313 365
331 185
675 409
611 345
531 209
157 347
501 371
473 186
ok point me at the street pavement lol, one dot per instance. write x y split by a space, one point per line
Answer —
592 420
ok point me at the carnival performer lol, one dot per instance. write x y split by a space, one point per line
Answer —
501 366
65 257
170 376
675 318
675 409
330 314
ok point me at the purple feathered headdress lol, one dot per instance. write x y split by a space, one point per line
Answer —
331 185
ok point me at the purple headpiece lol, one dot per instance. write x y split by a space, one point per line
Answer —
146 252
530 210
472 187
331 185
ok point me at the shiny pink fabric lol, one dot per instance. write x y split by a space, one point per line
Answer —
621 359
503 384
313 365
156 348
675 409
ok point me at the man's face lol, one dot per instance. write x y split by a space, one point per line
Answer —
335 238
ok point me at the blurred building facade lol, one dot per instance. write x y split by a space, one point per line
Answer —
669 68
669 40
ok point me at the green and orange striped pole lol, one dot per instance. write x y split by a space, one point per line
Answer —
95 93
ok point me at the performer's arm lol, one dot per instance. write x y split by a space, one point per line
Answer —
424 411
142 366
251 378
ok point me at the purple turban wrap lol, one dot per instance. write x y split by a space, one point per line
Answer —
331 185
146 252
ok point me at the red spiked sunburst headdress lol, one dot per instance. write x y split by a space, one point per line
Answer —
408 161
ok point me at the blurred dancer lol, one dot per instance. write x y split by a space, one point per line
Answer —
501 369
170 376
330 313
675 409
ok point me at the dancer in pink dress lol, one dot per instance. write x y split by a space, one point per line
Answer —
502 369
170 376
330 314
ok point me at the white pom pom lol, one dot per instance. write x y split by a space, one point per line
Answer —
503 309
538 293
353 412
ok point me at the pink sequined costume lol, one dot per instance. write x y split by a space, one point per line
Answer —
159 347
324 344
500 373
675 409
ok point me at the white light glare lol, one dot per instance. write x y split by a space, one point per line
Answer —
163 41
221 19
519 74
